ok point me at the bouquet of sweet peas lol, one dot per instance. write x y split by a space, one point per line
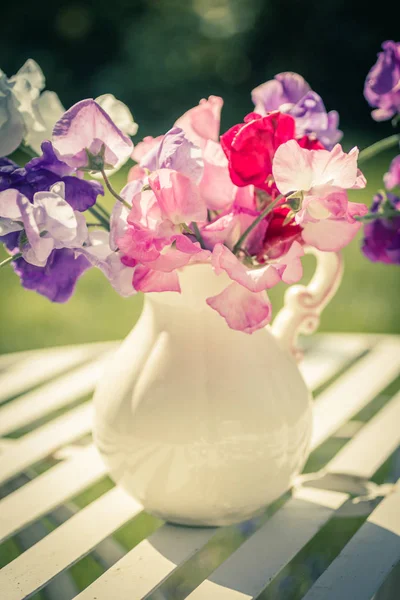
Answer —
246 202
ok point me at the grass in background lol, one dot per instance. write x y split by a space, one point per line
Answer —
367 300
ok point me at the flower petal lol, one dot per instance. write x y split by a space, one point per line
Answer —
242 310
255 280
86 126
202 122
330 235
178 197
147 280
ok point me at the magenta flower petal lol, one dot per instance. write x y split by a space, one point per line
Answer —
242 310
87 127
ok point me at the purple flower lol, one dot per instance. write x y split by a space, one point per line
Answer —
285 88
312 119
291 94
42 172
86 137
57 279
382 86
48 222
392 177
382 236
175 151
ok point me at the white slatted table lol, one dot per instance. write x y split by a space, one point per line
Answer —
47 458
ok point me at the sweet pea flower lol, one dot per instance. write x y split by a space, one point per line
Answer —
244 304
202 122
12 128
57 279
250 147
99 253
381 241
26 111
392 177
175 152
290 93
48 222
382 86
152 239
86 138
279 235
42 172
119 113
321 178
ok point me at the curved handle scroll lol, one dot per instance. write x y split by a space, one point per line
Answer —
304 304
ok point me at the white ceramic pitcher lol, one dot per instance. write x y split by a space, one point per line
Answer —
205 425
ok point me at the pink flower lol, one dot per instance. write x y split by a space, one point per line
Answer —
244 304
216 186
202 122
242 310
151 234
228 228
321 177
178 197
87 128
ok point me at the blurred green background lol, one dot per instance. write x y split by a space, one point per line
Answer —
161 57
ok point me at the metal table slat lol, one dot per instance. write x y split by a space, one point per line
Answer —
148 564
365 562
355 389
377 440
43 441
330 354
51 396
66 544
42 494
22 373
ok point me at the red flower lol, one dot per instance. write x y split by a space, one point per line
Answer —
310 143
279 235
250 147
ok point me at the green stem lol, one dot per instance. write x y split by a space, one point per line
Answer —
113 192
260 217
378 147
103 210
10 259
198 235
100 217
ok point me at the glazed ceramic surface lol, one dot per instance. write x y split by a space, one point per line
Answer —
202 424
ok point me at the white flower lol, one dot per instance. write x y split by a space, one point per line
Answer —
119 113
11 123
26 114
49 222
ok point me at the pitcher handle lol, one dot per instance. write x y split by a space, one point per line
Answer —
304 304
